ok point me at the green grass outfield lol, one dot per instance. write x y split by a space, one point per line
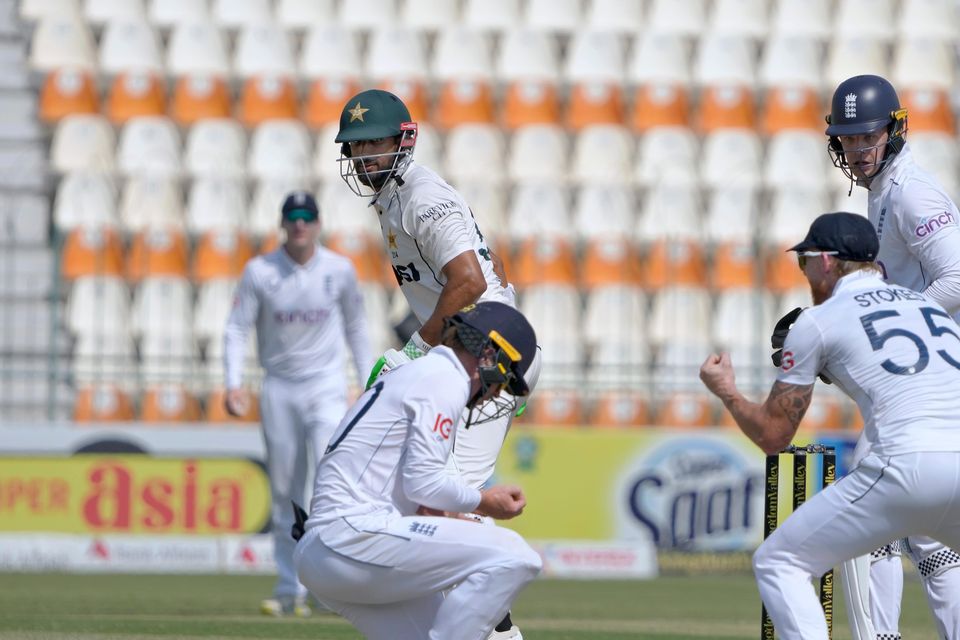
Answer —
144 607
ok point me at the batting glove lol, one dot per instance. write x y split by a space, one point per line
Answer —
415 348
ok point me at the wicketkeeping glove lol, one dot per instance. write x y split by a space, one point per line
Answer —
392 359
780 331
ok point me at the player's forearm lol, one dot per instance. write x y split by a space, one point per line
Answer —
234 352
455 296
437 490
765 428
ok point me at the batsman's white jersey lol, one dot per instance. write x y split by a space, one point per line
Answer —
917 223
919 233
425 224
367 555
302 315
893 351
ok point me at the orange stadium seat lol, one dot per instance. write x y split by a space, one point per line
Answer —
68 91
102 403
221 254
674 262
464 102
157 252
609 260
782 271
556 407
726 107
660 105
198 97
733 265
791 108
270 242
134 94
92 252
543 261
363 252
928 110
168 403
217 412
267 98
595 103
620 409
683 409
325 100
530 102
414 95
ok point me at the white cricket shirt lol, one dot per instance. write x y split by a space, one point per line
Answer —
301 313
918 228
388 455
425 224
891 349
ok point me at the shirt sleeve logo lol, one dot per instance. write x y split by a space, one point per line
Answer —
442 426
788 361
931 224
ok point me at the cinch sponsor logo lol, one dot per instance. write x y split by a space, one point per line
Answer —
302 316
133 494
696 495
933 224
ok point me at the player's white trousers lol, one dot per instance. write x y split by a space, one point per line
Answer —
387 575
298 417
882 499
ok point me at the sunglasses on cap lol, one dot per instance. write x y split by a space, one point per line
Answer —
803 255
300 214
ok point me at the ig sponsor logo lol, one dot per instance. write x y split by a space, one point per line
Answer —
442 426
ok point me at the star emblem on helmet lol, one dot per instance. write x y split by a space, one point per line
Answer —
357 112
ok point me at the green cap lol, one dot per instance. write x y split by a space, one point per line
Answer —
372 114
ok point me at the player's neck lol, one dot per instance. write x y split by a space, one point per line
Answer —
300 255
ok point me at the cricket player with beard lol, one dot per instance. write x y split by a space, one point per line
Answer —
304 301
440 259
893 351
917 224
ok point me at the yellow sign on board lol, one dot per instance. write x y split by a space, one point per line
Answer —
133 494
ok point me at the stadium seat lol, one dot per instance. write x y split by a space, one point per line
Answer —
102 403
681 17
853 55
620 409
82 143
724 107
792 210
300 15
85 199
368 15
429 15
462 62
923 64
791 62
563 363
539 210
616 16
168 403
928 110
475 153
149 145
266 98
197 48
264 214
216 204
329 52
673 262
199 97
528 62
67 91
603 212
808 18
216 147
670 211
660 70
397 53
376 305
280 149
937 153
667 155
104 357
91 251
746 18
854 200
98 305
680 314
596 70
743 317
602 153
782 272
537 153
685 410
725 60
325 100
608 261
619 363
157 251
33 10
560 17
170 13
135 94
151 201
927 19
790 108
162 305
263 49
731 215
491 15
556 407
61 40
487 204
554 310
871 18
168 358
129 45
614 314
341 211
731 157
363 251
236 14
796 158
214 301
216 412
220 254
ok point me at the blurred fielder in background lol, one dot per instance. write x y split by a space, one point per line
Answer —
894 360
303 300
439 257
366 553
920 249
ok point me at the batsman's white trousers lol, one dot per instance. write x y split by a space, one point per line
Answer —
297 417
882 499
388 575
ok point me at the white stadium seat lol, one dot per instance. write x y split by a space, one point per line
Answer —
280 149
33 10
168 13
151 201
214 301
731 214
264 214
596 56
235 14
61 40
329 51
615 314
215 204
474 153
98 306
682 17
809 18
850 56
667 155
725 59
527 55
342 212
497 15
85 199
791 61
791 212
928 19
739 17
149 145
168 357
461 54
83 143
162 306
429 15
618 16
741 316
797 158
602 153
263 50
731 156
98 12
130 45
197 48
216 146
923 63
604 211
304 14
537 153
670 212
558 16
397 53
104 357
680 314
539 210
660 57
370 14
871 18
853 201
